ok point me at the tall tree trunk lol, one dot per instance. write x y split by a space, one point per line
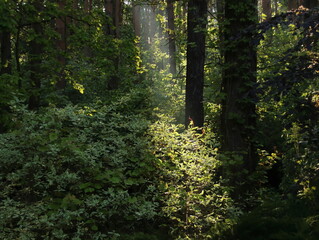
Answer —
196 27
309 3
17 56
6 52
293 4
113 10
88 6
171 36
137 20
266 8
238 110
35 67
61 44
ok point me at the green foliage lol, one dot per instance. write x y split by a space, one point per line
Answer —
193 198
278 219
75 173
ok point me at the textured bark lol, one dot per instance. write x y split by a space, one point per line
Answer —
88 6
238 109
61 44
266 8
113 10
309 3
6 52
136 20
196 27
35 67
171 35
294 4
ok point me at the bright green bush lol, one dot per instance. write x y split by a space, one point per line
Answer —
193 199
76 173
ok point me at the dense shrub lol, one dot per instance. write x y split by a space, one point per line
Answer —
194 200
75 173
277 219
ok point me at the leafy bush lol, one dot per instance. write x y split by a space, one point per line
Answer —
277 219
75 173
193 198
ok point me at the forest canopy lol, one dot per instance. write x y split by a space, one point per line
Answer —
159 119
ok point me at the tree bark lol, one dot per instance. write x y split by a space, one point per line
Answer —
309 3
6 53
293 4
196 27
238 110
137 20
171 35
35 67
266 8
113 10
61 44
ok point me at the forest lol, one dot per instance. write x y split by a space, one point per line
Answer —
159 119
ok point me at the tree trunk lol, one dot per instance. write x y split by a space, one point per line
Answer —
61 45
88 6
137 20
35 67
293 4
171 36
6 52
266 9
309 3
196 27
238 110
113 10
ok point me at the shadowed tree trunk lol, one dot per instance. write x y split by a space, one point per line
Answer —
294 4
61 44
35 56
196 27
266 8
171 35
5 52
238 109
309 3
113 10
35 67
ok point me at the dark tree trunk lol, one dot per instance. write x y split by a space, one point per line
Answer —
171 36
35 67
238 110
6 53
196 27
309 3
113 10
293 4
266 8
88 6
61 44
